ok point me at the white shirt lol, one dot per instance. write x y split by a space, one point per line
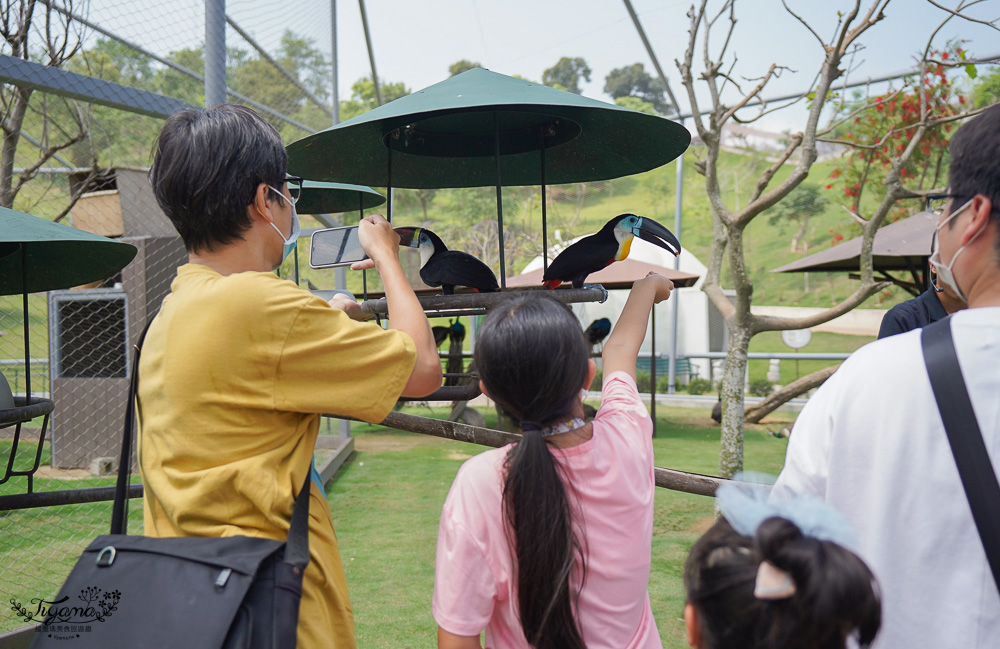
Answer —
871 443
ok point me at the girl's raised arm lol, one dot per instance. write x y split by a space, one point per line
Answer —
622 347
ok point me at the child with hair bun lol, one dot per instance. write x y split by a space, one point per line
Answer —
778 576
546 543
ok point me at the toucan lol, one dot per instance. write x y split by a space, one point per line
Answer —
610 244
446 268
598 330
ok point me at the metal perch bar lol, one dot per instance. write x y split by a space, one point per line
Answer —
589 293
692 483
450 393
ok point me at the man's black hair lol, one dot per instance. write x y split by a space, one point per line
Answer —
975 160
206 169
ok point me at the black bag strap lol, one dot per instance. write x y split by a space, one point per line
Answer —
119 511
964 436
297 546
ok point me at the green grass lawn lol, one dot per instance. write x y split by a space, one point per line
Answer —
386 502
770 341
387 499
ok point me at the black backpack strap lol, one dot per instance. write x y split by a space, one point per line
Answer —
119 511
297 546
964 436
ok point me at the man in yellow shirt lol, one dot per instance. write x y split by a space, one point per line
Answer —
238 365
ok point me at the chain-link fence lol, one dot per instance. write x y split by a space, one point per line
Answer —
86 97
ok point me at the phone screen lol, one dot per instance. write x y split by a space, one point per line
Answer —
335 247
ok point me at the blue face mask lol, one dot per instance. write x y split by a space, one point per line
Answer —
293 237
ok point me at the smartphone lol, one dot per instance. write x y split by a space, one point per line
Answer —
334 247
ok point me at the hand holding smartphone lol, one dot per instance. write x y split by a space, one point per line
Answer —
335 247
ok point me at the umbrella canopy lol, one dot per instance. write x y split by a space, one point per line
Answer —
620 274
58 256
902 246
332 198
447 136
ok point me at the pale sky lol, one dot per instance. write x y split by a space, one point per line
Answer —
416 40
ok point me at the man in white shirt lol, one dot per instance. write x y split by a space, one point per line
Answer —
871 441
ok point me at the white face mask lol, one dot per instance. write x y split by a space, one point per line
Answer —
293 237
944 274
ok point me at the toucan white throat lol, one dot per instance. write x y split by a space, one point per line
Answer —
426 248
624 237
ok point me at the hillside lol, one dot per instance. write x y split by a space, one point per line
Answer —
465 219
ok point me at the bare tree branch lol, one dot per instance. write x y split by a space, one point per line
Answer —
858 111
777 323
957 13
768 111
753 93
768 174
782 396
799 18
862 221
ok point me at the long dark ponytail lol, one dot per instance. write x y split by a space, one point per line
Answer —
532 357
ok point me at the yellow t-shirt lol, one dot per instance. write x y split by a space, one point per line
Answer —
234 374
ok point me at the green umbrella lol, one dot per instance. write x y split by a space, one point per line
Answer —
332 198
53 256
481 128
446 136
38 255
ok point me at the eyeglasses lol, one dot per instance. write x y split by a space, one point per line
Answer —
934 203
294 184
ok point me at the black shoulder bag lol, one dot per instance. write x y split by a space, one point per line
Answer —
965 437
187 592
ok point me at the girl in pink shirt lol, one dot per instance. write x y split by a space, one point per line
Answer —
546 543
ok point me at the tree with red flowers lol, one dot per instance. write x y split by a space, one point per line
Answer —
920 112
877 131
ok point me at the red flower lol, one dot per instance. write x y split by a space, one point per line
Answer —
829 186
944 55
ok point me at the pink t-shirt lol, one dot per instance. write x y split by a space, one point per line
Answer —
474 587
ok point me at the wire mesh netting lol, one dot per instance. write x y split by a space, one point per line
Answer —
97 80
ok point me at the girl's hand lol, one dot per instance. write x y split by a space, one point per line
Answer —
662 287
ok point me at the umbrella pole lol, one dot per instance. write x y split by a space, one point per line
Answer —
24 304
496 156
388 186
545 225
364 273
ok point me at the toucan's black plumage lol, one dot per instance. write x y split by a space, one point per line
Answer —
609 244
447 268
456 336
440 334
598 330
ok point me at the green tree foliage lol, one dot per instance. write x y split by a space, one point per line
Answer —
634 81
174 83
986 91
805 201
363 97
116 137
257 78
464 65
878 131
36 32
566 74
636 104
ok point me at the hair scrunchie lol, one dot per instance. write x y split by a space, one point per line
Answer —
527 425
